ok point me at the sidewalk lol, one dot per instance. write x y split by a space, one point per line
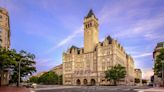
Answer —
151 90
14 89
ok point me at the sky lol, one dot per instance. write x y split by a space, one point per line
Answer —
47 28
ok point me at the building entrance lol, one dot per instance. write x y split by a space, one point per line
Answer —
93 82
78 82
85 82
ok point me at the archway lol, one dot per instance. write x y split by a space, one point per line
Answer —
78 82
85 81
93 82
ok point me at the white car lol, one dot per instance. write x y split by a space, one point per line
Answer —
34 85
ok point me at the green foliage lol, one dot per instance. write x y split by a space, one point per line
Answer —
7 60
34 79
48 78
27 65
158 63
10 59
137 80
60 79
152 79
144 81
115 73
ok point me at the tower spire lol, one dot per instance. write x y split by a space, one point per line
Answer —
90 13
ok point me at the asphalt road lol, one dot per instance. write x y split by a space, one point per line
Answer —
86 90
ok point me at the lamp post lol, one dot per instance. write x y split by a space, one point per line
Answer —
19 71
162 72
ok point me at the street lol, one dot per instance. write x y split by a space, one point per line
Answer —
86 90
59 88
90 89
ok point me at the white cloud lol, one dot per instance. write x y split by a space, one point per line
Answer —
136 27
143 55
75 33
154 36
44 62
70 37
142 28
117 9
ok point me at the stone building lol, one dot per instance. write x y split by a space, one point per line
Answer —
157 80
4 29
86 66
138 74
58 69
4 41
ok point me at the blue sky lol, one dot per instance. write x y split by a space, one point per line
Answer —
48 27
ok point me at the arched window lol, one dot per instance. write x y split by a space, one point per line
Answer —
85 82
78 82
90 24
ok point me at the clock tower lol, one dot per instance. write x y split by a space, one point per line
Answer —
90 32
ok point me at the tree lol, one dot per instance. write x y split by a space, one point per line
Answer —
10 59
115 73
48 78
144 81
27 65
152 79
158 64
137 80
60 79
34 79
7 60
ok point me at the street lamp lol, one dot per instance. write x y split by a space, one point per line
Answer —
19 71
162 72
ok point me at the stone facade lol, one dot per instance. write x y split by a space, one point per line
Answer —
4 41
4 29
86 66
58 69
157 80
138 74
